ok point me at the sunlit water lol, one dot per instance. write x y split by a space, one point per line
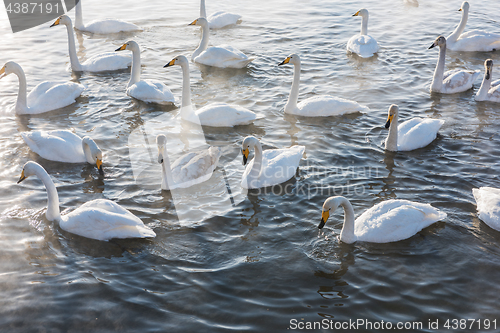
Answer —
258 264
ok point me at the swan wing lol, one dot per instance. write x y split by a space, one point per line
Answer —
363 45
222 19
279 165
60 145
395 220
109 26
107 62
459 80
223 56
476 40
417 133
225 115
151 91
324 106
50 95
103 220
488 205
194 168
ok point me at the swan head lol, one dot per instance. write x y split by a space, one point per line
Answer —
9 68
488 66
362 12
248 142
30 168
63 19
329 206
292 59
179 60
161 141
95 152
440 41
465 7
130 45
393 112
202 22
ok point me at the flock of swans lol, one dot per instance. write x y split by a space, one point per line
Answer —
102 219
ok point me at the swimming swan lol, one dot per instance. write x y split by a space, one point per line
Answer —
476 40
150 91
214 114
99 219
488 205
388 221
189 169
317 106
223 56
46 96
453 81
271 167
99 63
363 44
219 19
64 146
489 91
107 26
412 134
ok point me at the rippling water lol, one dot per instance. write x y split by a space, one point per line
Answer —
256 266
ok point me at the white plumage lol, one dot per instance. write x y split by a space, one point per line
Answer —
107 26
363 44
489 91
488 205
219 19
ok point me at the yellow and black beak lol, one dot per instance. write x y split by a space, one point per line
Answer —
324 217
171 63
245 153
193 23
389 119
286 61
2 71
56 22
356 14
99 166
460 10
121 48
23 177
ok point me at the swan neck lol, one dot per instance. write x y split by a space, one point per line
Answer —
203 12
53 199
391 143
166 171
437 81
73 58
347 233
136 67
78 15
460 28
294 92
203 42
186 88
364 25
257 161
482 93
87 152
21 104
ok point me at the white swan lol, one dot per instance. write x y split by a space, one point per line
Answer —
489 91
488 205
412 134
64 146
317 106
363 44
99 63
214 114
453 81
476 40
223 56
107 26
189 169
46 96
219 19
271 167
150 91
99 219
388 221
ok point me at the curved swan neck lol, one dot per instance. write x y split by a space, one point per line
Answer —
364 24
135 75
53 199
437 81
87 151
291 104
460 28
166 171
482 93
347 233
79 16
203 12
257 161
21 103
391 143
186 88
203 42
73 58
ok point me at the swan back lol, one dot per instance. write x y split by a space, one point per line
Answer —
488 205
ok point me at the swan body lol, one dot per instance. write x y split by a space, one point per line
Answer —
223 56
189 169
412 134
271 167
476 40
219 19
64 146
99 219
488 205
107 26
46 96
317 106
213 114
453 81
388 221
150 91
363 44
489 91
99 63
